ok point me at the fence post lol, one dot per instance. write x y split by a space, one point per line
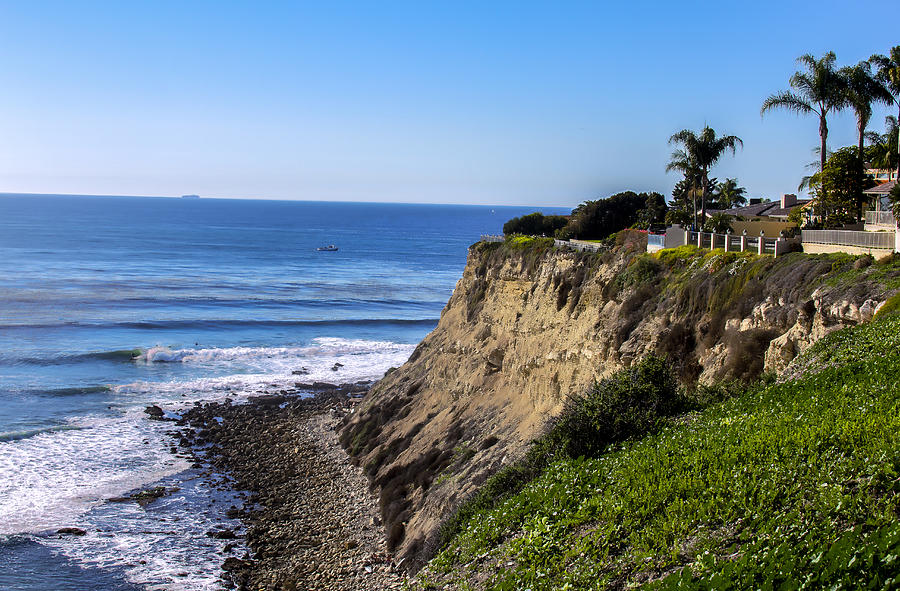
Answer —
762 242
727 239
699 239
744 241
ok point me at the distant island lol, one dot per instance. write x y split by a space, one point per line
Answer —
190 196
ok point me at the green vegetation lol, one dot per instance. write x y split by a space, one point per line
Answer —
601 218
838 189
535 224
891 306
520 242
783 486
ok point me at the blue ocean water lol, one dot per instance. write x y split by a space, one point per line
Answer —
108 304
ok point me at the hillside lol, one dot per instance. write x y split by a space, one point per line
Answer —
787 485
528 325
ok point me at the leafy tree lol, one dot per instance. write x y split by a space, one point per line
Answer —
819 91
654 211
594 220
698 154
684 198
862 91
729 194
889 74
678 216
837 189
535 224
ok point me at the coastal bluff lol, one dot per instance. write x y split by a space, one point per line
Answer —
528 324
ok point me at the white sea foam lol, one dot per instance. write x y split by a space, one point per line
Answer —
49 480
161 547
257 368
62 478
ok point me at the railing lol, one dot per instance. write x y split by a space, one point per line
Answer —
492 238
850 238
580 245
740 243
656 241
881 218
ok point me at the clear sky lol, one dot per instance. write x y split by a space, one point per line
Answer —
534 103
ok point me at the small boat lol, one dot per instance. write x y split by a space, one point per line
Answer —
329 248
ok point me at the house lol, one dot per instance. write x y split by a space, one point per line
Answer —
770 217
878 213
881 175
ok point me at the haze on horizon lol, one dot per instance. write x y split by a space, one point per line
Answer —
504 104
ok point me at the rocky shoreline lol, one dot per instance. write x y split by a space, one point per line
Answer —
311 521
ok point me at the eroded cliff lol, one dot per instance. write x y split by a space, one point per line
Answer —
529 324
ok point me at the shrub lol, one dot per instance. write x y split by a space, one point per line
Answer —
595 220
535 224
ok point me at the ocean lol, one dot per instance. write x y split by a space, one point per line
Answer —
110 304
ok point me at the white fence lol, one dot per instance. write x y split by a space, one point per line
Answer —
492 238
655 242
580 245
850 238
677 236
881 218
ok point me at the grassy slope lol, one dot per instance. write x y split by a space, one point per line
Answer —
787 485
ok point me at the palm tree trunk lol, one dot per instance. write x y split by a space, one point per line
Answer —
704 187
694 219
823 135
898 141
861 124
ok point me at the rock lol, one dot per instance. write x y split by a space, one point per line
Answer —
300 372
337 366
71 531
155 412
145 497
221 534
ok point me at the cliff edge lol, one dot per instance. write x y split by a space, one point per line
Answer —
529 323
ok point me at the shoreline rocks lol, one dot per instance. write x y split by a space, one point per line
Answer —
311 522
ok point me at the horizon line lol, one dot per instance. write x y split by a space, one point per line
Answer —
220 198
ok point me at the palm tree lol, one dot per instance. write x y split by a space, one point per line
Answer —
862 90
697 155
729 194
819 90
889 75
882 152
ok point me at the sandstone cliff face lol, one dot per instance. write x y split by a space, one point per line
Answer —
526 327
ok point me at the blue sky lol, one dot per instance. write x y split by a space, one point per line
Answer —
533 103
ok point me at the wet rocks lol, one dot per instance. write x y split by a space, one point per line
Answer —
145 497
309 516
154 412
71 531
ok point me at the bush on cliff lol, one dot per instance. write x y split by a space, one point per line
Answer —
790 485
535 224
595 220
629 404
